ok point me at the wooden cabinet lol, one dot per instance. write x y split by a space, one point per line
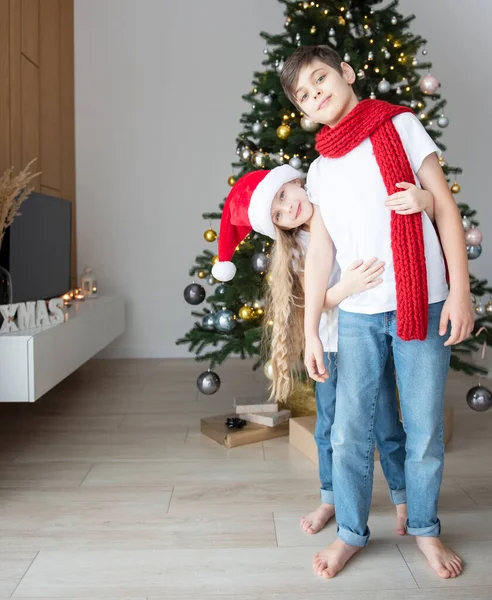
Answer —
37 94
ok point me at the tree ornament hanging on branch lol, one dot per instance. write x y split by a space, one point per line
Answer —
194 293
479 398
208 383
429 85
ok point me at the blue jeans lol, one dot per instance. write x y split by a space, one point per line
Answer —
388 431
421 370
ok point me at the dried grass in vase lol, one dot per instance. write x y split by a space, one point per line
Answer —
13 191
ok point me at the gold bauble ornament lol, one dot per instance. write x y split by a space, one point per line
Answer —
232 180
215 260
201 274
210 235
488 308
268 278
258 160
246 313
313 29
302 401
456 188
283 131
341 20
268 370
259 312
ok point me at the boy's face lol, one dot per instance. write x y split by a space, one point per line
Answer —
291 207
323 94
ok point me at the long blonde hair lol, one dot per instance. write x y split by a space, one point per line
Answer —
284 313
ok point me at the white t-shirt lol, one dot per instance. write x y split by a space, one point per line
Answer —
351 195
328 325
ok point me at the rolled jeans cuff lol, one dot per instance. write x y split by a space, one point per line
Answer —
353 539
398 496
327 496
432 531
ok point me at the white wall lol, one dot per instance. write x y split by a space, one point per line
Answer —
158 101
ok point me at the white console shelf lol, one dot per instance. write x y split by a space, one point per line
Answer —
32 362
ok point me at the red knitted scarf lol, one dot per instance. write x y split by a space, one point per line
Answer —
373 119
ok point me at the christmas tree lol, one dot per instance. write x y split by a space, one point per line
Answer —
391 64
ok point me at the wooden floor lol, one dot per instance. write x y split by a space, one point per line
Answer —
108 490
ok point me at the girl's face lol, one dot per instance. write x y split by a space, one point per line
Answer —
291 207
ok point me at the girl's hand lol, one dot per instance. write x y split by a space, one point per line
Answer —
410 200
362 276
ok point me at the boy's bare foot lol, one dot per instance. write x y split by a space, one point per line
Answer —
401 519
316 520
441 559
332 559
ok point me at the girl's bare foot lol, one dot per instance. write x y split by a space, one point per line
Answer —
441 559
333 558
401 519
316 520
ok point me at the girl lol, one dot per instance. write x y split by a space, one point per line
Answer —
278 206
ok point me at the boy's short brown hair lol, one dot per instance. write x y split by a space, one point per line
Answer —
303 57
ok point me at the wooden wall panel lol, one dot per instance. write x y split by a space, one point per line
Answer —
15 85
30 113
4 85
67 113
30 30
49 86
37 113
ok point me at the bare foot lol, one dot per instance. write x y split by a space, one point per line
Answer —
401 519
316 520
332 559
444 561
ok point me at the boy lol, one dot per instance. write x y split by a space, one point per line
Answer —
366 149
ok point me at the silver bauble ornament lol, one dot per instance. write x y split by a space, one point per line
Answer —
424 51
466 223
415 62
256 128
211 280
308 125
265 50
370 56
387 55
473 251
443 122
480 310
384 86
394 20
220 290
225 320
348 15
246 154
194 293
399 91
280 66
372 96
295 162
414 104
259 262
331 33
346 58
298 37
361 74
208 383
479 398
208 321
488 308
267 100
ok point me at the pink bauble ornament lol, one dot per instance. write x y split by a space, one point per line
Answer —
473 237
429 84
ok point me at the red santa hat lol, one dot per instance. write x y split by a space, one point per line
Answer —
248 207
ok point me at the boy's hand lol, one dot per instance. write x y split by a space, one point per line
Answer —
458 310
362 276
409 201
314 359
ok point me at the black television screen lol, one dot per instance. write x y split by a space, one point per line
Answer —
36 249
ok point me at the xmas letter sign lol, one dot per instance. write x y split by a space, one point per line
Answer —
31 315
